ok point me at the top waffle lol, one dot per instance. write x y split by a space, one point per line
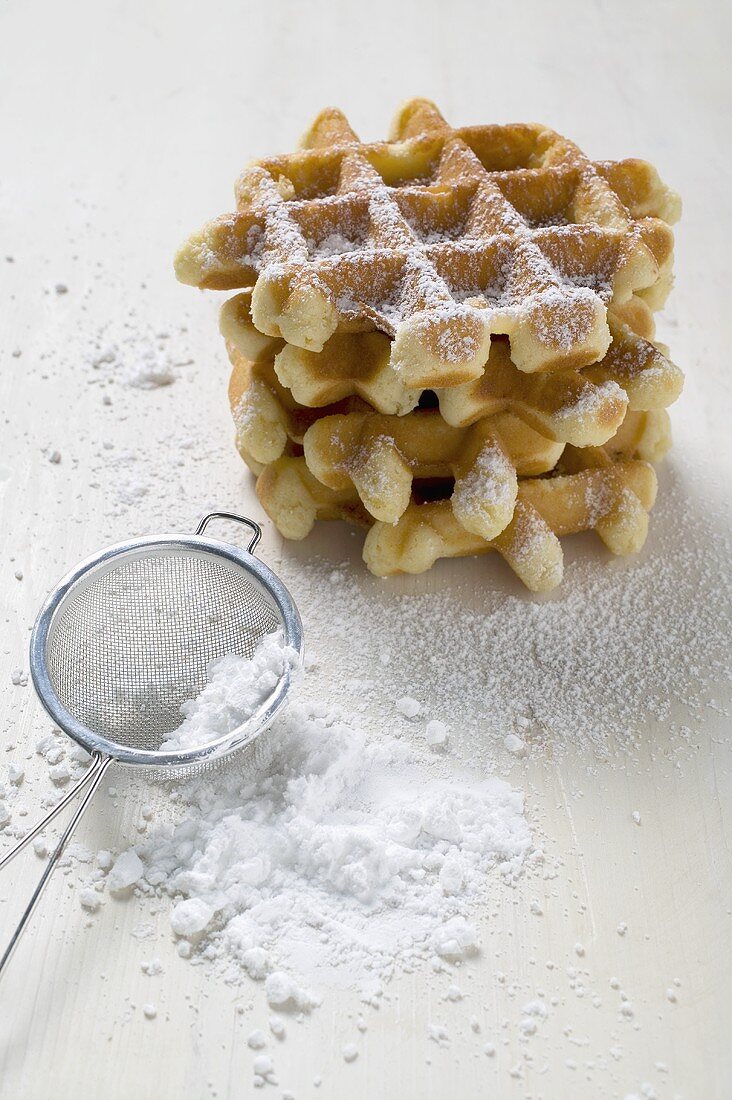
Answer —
441 238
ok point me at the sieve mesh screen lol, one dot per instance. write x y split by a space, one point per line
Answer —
129 646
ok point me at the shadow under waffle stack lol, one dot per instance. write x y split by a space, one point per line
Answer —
448 339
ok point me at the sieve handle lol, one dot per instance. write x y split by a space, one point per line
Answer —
254 527
91 780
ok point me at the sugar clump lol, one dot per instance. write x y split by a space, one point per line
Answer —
408 706
126 872
191 917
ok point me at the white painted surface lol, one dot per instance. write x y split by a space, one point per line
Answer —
123 126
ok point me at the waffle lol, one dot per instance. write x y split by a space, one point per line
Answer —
350 364
266 417
644 435
584 407
593 490
613 500
441 238
379 456
348 445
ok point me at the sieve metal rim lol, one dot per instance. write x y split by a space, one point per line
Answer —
103 561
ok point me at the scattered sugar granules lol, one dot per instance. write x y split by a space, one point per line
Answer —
408 706
256 1039
436 734
149 372
621 643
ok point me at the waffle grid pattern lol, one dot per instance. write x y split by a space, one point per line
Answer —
440 238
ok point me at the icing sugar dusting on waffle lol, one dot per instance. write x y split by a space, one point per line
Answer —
592 399
488 479
333 245
481 230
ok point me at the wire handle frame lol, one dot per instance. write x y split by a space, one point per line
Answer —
254 527
92 779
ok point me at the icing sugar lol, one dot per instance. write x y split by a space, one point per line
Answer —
341 859
237 687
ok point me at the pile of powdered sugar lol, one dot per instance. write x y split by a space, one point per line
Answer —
338 859
236 689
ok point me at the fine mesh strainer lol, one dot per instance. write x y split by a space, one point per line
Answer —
126 638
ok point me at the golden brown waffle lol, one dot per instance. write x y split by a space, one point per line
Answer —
644 435
350 364
584 407
379 456
593 491
351 446
293 499
266 418
613 500
441 238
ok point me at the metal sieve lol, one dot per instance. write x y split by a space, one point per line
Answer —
127 636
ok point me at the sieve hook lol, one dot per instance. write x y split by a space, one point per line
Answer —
255 528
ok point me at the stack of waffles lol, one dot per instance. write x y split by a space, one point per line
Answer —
447 338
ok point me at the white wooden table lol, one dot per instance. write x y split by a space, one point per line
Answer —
123 126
